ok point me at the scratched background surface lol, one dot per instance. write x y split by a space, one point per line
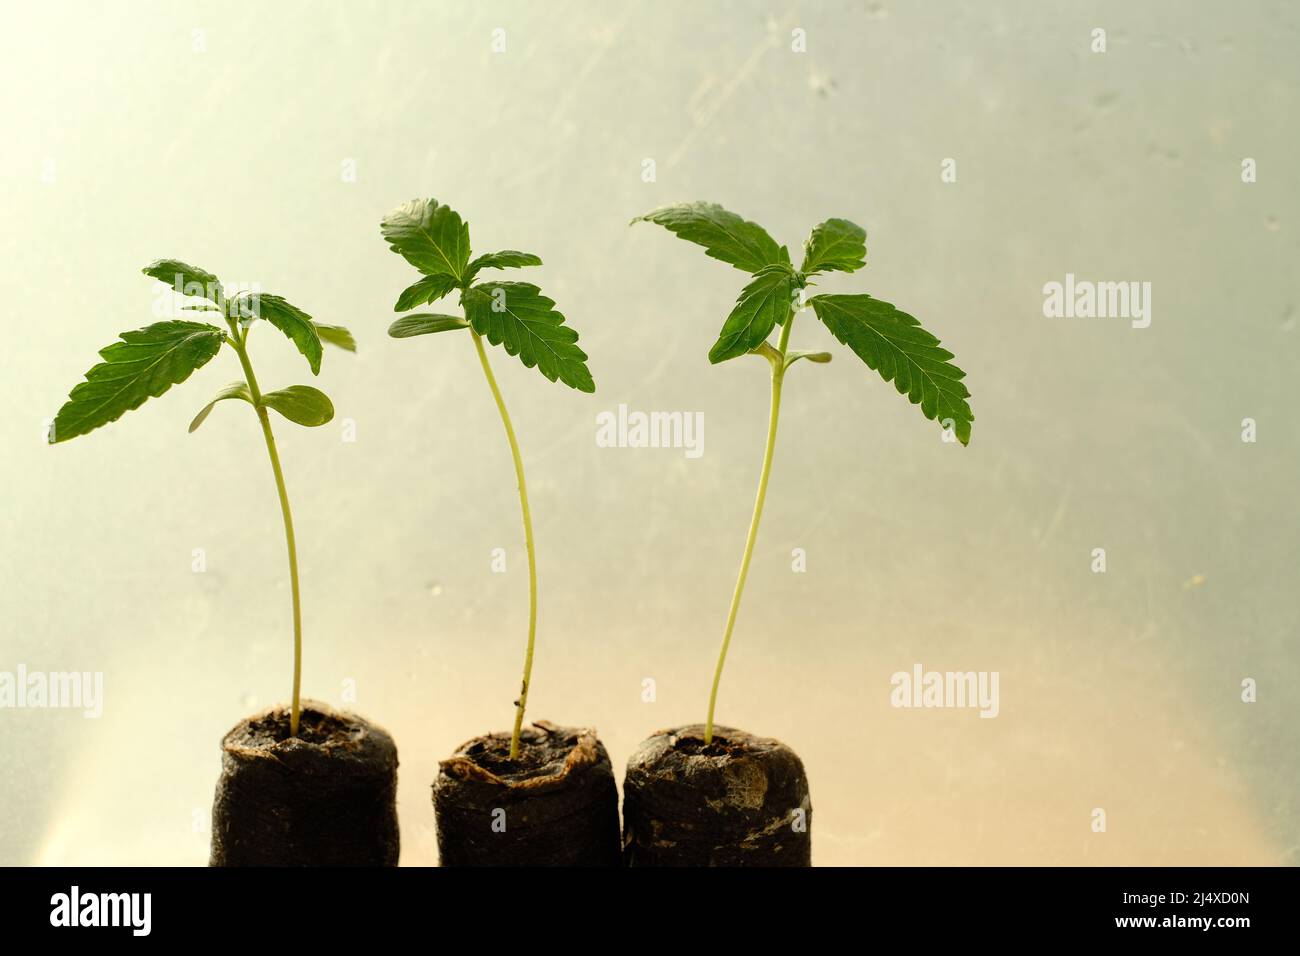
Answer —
123 143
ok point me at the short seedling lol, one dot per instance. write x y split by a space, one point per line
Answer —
148 361
433 238
889 341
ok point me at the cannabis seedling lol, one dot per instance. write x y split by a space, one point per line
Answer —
148 361
433 238
889 341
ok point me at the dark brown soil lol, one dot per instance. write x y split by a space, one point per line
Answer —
325 729
539 754
693 745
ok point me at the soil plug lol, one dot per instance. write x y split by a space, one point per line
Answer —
739 800
325 797
555 804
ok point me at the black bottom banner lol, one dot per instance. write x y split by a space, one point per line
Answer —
1169 906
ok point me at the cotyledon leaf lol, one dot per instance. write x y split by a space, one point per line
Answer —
233 390
423 323
894 344
301 404
794 355
143 365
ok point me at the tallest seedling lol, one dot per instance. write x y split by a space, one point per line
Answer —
888 340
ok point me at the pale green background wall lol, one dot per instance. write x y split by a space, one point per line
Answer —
1118 691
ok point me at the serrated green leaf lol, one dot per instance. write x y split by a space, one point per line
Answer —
234 390
762 303
195 282
143 365
506 259
724 235
430 236
429 289
836 245
289 319
336 335
894 344
517 316
301 404
423 323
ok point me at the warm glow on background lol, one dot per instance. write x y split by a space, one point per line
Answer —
223 134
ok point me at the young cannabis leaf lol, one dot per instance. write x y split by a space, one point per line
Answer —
887 340
149 361
433 238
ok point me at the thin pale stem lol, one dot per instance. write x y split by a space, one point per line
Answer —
264 418
522 702
778 377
